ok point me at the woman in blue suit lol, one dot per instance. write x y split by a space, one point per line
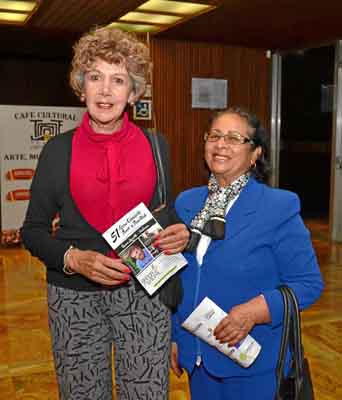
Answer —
247 239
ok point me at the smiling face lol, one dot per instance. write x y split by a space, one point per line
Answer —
107 90
226 161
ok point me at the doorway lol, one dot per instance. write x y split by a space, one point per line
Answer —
306 130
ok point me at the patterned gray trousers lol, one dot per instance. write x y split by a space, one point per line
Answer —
85 325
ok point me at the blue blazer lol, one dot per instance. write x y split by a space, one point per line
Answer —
266 244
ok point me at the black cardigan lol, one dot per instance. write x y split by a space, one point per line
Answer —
50 193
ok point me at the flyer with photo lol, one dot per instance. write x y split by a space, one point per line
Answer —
132 238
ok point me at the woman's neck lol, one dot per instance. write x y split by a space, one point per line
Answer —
107 129
224 182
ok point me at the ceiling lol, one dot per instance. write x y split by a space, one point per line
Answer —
269 24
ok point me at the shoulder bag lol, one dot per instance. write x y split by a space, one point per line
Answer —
297 385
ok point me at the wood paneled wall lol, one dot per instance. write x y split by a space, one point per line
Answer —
35 72
175 64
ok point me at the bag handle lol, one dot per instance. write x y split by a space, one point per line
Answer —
291 336
284 341
160 169
296 342
161 184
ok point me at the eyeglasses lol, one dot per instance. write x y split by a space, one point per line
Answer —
230 137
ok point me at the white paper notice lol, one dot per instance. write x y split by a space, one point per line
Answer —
209 93
202 323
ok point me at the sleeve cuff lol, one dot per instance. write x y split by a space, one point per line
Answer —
275 305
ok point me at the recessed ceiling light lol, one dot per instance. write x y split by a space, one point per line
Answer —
135 27
174 7
162 13
17 5
13 17
150 18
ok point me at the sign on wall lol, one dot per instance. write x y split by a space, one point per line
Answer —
23 132
209 93
142 109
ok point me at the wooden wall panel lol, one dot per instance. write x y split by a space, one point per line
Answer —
175 64
35 76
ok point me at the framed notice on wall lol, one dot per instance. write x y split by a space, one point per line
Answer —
209 93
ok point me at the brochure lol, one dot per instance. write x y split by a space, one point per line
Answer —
202 322
132 238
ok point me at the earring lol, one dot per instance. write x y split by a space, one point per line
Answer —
82 98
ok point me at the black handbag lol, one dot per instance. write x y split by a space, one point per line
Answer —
297 385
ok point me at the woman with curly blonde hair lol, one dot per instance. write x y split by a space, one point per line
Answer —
92 177
114 47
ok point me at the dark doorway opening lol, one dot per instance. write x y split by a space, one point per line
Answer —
306 130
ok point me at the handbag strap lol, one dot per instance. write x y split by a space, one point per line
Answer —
292 337
284 339
161 185
296 339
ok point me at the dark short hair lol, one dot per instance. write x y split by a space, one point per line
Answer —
258 134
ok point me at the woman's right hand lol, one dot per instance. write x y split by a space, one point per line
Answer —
97 267
174 360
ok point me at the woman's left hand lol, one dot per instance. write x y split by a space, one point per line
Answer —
241 319
173 239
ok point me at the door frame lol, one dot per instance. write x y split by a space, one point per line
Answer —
335 202
335 207
275 118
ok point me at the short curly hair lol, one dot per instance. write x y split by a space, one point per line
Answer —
115 47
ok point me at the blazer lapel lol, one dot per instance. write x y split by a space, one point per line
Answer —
239 217
195 204
243 210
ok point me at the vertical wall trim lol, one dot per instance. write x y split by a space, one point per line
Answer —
335 215
275 119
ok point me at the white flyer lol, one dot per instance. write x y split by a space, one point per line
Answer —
132 238
202 323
